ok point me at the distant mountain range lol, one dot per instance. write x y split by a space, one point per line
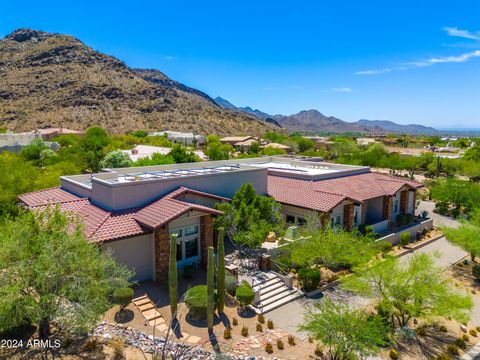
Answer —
315 121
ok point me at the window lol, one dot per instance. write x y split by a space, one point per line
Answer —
338 220
177 232
191 247
290 219
190 230
301 221
395 206
355 216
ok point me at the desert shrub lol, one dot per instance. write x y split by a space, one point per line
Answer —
383 246
443 328
123 296
444 357
393 354
118 346
291 340
259 327
234 321
92 343
401 219
478 329
476 271
280 345
460 343
227 333
369 230
244 294
421 331
270 324
261 318
269 347
441 208
230 284
244 331
309 278
405 238
465 338
453 349
188 271
196 301
473 332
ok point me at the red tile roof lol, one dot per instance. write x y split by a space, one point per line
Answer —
324 195
101 225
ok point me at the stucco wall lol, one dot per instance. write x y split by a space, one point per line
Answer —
373 208
137 253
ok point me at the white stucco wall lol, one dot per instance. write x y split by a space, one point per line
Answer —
138 253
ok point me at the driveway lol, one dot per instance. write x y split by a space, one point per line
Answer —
438 220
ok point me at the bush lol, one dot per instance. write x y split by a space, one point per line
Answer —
230 284
441 208
118 345
473 332
461 343
309 278
280 345
401 219
227 333
476 271
443 328
453 349
465 338
405 238
384 246
244 331
188 271
92 344
318 351
244 294
261 318
234 321
259 327
369 231
269 347
270 324
393 354
196 301
123 297
444 357
421 331
291 340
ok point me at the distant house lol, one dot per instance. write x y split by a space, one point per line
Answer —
146 151
232 140
286 148
177 137
365 141
50 133
15 142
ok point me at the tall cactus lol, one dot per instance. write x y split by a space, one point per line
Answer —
210 288
221 271
172 275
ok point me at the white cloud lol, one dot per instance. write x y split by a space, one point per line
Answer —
446 59
343 89
453 31
373 72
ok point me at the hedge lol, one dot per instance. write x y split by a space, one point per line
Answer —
309 278
123 296
244 294
196 301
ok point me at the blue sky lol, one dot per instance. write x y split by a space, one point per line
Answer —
406 61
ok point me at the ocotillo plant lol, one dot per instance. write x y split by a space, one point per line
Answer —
210 288
221 271
172 275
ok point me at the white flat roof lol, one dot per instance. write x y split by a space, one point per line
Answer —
310 169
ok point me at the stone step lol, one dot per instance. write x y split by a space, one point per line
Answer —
279 296
142 301
267 283
272 292
274 305
151 314
147 306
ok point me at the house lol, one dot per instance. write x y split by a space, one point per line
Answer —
365 141
286 148
176 137
50 133
146 151
15 142
232 140
131 211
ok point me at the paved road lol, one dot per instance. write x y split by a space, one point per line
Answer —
438 220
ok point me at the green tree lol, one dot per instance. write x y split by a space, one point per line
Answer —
249 217
221 271
345 332
155 159
218 151
32 152
467 235
51 273
116 159
173 276
410 290
181 155
210 289
95 140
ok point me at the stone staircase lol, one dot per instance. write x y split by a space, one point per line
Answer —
273 293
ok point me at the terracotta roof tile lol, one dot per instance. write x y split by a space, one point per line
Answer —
47 196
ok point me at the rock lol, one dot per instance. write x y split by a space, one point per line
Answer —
463 328
107 336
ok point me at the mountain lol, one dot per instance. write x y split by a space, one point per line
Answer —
390 126
247 110
54 80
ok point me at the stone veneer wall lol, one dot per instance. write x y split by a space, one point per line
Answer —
404 202
387 208
161 254
348 214
206 237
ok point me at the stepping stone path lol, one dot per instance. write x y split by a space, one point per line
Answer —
244 346
148 309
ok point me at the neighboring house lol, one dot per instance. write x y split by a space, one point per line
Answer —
232 140
176 137
50 133
133 210
286 148
15 142
365 141
146 151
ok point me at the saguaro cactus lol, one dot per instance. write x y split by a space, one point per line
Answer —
172 275
210 288
221 271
